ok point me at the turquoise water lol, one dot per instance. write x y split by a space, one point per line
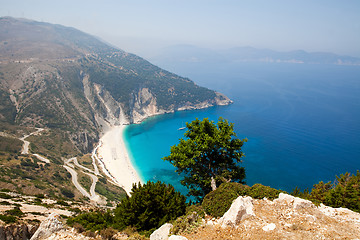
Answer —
302 123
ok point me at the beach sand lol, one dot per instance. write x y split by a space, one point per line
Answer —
116 159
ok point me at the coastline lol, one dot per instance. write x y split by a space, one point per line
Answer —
114 154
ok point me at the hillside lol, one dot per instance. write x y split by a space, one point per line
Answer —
60 89
61 78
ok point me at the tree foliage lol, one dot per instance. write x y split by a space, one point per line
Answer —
208 156
150 206
343 192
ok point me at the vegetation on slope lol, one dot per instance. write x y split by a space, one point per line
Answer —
8 144
150 206
54 145
27 175
343 192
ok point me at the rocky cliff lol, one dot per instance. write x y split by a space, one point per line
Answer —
286 217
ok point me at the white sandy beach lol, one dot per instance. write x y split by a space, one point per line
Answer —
114 155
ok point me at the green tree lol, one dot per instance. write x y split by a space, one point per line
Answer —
208 156
150 206
319 191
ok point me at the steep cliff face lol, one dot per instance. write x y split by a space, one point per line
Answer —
142 104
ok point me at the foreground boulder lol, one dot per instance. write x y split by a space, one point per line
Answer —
240 209
49 226
297 203
162 233
176 237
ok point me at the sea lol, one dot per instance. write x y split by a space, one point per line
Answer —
302 122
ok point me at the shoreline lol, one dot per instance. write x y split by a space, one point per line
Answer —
114 154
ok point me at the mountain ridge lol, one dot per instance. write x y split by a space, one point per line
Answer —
61 78
191 53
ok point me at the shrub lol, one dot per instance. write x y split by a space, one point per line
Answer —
5 203
15 212
93 221
108 233
7 219
67 193
78 227
5 196
63 203
343 192
40 196
150 206
196 208
186 223
260 191
217 202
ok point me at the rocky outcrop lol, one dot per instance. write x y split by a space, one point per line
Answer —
240 209
297 203
107 111
162 233
49 226
17 232
286 217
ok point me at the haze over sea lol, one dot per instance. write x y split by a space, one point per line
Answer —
302 122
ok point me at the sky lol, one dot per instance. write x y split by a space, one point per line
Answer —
144 27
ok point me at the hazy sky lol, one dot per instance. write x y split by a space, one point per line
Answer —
143 26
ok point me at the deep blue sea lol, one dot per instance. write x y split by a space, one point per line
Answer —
302 123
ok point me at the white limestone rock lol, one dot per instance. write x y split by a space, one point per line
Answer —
162 233
177 237
298 203
47 227
240 209
269 227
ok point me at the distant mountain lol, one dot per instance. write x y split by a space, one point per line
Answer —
60 78
188 53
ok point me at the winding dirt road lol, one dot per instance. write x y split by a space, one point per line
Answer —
71 169
25 149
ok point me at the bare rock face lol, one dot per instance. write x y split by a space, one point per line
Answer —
162 233
298 203
240 209
143 106
49 226
16 232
